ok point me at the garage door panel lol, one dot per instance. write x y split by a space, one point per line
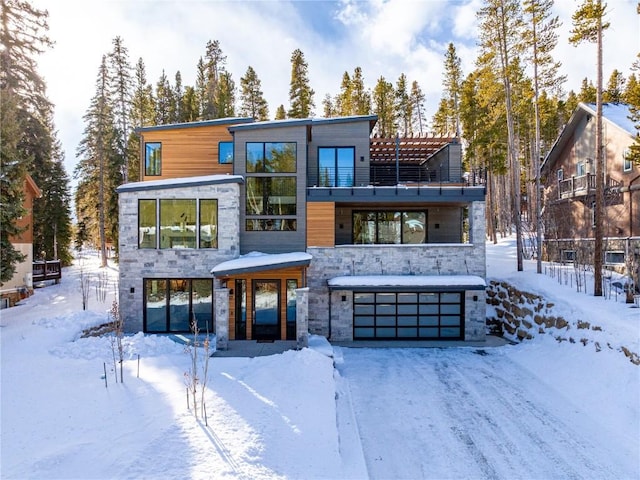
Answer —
408 315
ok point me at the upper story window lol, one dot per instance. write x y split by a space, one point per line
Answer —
336 166
271 157
153 158
178 223
560 174
580 169
225 152
626 160
389 227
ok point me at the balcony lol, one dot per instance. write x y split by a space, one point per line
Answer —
49 270
583 185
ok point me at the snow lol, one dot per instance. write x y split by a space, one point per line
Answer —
180 182
256 260
469 281
539 409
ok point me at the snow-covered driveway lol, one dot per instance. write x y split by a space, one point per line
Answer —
472 413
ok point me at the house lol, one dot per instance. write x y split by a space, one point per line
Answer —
21 284
301 225
569 191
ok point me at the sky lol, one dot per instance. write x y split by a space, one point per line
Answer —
543 408
384 38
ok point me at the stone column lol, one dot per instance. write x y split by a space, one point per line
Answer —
222 318
302 317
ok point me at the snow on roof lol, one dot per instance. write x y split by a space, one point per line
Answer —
256 261
420 281
618 114
179 182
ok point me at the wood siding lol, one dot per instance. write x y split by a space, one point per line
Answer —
321 224
282 275
187 152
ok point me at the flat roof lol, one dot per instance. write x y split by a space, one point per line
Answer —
179 182
202 123
407 283
259 261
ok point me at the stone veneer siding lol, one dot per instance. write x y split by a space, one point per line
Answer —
427 259
137 264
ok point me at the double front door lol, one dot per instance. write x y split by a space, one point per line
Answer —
265 311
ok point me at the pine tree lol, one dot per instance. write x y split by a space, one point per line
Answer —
201 88
178 93
403 108
441 119
417 99
142 115
344 104
452 84
121 90
301 102
615 88
500 37
587 92
96 150
252 101
189 110
588 25
361 98
632 97
540 39
383 101
281 114
328 107
164 101
226 96
214 66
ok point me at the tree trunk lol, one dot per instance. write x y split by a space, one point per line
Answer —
599 206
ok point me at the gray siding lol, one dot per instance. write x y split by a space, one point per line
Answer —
270 241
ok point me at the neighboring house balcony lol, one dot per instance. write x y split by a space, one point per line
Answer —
583 185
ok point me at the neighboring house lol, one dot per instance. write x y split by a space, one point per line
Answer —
300 226
21 284
569 173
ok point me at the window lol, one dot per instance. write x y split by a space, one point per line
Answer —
147 222
183 223
336 166
626 160
271 224
560 174
225 152
153 159
580 169
614 258
273 197
271 157
292 285
568 256
169 304
389 227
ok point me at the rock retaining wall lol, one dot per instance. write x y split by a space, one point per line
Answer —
518 316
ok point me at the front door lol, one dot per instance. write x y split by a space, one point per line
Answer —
266 309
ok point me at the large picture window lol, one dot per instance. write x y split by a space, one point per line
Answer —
336 166
271 157
153 158
182 223
225 152
169 304
389 227
271 195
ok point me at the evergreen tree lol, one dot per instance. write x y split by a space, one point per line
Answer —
344 99
403 109
441 119
201 88
142 115
361 98
121 90
281 114
226 96
328 107
587 92
632 97
252 101
588 26
214 66
177 104
189 110
301 102
615 88
452 84
164 101
383 101
96 151
417 99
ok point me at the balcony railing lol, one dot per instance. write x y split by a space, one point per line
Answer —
583 185
46 270
390 175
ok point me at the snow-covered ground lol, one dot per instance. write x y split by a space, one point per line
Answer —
540 409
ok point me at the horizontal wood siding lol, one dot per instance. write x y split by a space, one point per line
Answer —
188 152
321 221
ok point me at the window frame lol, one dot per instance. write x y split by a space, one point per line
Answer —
148 170
375 216
335 178
627 164
259 166
226 144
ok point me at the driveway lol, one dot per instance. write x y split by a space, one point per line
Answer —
467 413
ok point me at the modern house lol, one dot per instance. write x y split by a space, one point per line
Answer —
21 284
569 196
270 230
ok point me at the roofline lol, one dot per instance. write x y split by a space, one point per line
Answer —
169 183
32 184
260 268
203 123
294 122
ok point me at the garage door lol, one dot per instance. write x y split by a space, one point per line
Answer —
408 316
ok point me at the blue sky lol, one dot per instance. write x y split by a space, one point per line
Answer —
384 38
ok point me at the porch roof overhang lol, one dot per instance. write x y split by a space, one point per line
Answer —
258 262
398 193
407 283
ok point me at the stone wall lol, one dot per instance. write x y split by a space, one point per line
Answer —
518 315
139 263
